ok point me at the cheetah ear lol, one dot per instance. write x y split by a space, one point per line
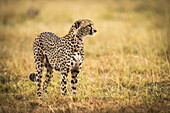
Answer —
77 24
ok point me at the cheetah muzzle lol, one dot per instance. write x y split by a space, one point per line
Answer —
63 54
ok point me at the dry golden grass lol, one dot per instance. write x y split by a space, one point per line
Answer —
126 67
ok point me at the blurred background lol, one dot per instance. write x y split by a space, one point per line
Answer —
126 66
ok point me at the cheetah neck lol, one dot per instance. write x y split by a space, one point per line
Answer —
72 31
77 36
81 35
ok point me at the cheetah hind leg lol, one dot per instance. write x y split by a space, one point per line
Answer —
36 77
63 83
39 69
48 76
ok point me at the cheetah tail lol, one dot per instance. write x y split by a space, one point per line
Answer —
33 77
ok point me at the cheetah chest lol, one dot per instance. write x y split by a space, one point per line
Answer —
76 61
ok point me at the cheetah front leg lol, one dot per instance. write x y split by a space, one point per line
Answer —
74 80
76 66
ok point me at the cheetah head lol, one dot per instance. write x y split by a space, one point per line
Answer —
85 27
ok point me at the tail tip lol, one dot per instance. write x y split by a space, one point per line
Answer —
33 77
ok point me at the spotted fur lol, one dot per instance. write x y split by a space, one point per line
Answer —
63 54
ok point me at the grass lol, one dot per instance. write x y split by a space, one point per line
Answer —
126 66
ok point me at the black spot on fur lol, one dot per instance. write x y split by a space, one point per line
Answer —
39 93
39 85
65 82
71 63
73 76
76 81
74 88
72 81
63 94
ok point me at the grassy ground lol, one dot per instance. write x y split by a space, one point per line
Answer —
126 67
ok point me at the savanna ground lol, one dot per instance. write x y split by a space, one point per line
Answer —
126 66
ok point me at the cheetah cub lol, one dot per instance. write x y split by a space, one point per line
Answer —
64 54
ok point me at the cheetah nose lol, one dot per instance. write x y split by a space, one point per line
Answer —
95 31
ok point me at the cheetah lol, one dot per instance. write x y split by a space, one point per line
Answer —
63 54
